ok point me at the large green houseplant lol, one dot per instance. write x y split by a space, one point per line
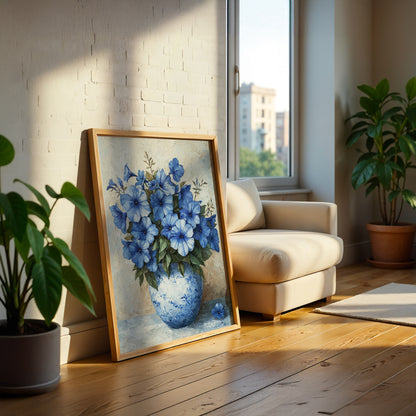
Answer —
34 264
386 129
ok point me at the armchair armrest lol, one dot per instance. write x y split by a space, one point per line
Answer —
301 215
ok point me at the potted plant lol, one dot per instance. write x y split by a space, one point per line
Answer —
387 127
34 264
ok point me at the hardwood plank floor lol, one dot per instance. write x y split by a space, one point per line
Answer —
305 364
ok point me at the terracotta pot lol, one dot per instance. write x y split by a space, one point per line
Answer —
30 364
392 243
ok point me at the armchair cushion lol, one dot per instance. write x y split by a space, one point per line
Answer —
273 256
244 207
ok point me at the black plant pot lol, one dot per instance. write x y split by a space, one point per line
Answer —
30 364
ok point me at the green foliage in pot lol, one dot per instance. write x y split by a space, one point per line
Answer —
387 127
34 264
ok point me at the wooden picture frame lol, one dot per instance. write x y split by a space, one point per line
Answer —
163 244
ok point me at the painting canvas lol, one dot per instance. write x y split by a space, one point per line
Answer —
163 245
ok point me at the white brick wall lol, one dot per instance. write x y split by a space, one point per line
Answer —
122 64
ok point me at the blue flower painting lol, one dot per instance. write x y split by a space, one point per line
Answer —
162 220
164 256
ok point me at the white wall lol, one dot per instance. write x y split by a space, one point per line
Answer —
116 64
353 66
316 98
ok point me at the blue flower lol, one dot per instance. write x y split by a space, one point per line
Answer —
119 218
111 185
218 311
202 232
137 251
134 201
152 263
162 204
213 240
128 173
176 170
190 212
141 178
182 238
164 182
168 222
153 185
120 182
185 195
145 230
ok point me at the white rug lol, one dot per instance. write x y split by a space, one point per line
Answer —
392 303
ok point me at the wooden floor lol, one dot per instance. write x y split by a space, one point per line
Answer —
306 364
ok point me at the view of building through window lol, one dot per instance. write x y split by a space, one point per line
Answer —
264 48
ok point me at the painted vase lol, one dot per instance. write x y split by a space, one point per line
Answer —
178 298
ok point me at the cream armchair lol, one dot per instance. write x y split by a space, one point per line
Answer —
283 253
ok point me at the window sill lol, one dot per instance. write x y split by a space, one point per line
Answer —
285 194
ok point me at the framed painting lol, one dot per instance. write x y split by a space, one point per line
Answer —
163 244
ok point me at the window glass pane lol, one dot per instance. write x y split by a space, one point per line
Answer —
264 49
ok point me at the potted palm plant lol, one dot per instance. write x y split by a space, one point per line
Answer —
387 127
34 264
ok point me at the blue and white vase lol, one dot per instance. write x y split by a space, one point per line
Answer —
178 298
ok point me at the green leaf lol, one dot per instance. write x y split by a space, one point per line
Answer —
42 200
23 247
407 145
382 89
384 174
369 105
353 137
6 151
411 88
411 115
391 112
47 287
36 241
393 195
151 280
77 287
375 130
15 211
73 261
366 89
36 209
54 253
51 192
362 172
74 195
410 197
181 268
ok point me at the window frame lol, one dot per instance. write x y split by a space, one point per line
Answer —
233 109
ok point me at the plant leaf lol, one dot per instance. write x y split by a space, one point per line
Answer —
362 172
73 261
77 287
42 200
6 151
375 130
15 211
410 197
74 195
411 88
353 137
51 192
33 208
47 287
382 89
36 241
366 89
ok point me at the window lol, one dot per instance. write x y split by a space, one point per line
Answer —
260 71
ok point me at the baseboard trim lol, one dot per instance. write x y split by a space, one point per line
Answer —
84 339
355 253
